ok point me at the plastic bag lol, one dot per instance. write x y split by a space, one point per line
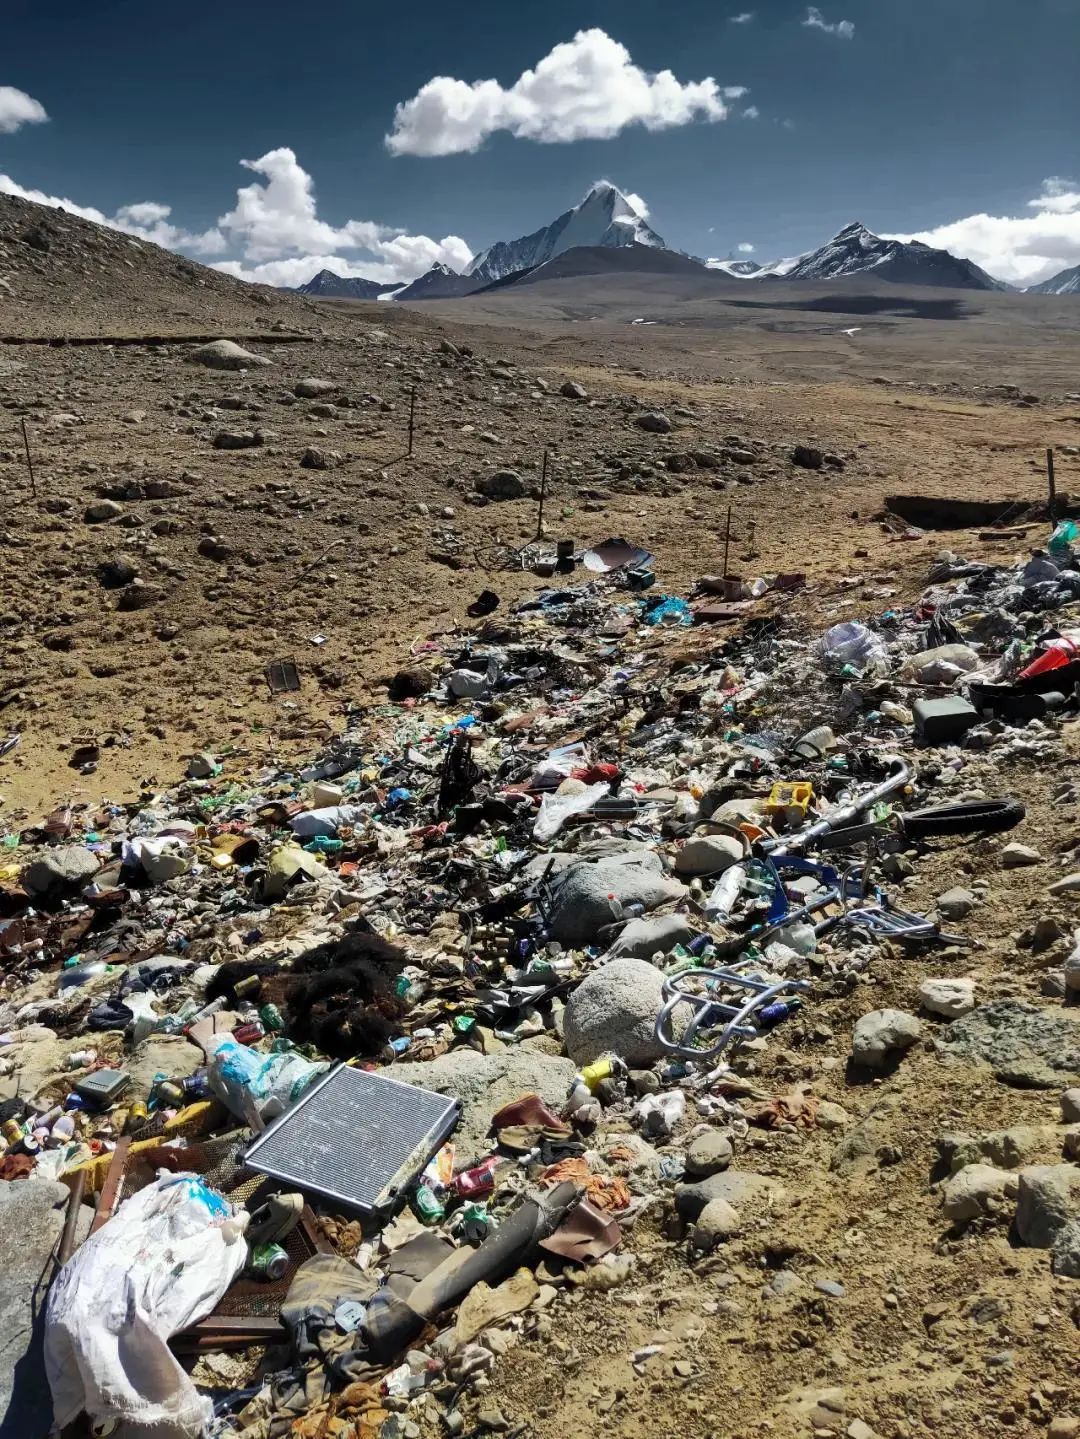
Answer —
851 643
161 1263
556 809
255 1085
325 821
1065 535
658 1114
670 611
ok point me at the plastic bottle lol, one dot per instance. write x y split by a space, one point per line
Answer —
725 892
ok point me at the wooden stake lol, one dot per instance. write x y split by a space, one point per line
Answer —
412 417
29 462
543 493
1051 485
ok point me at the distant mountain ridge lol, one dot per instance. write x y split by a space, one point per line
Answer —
338 287
1066 282
608 223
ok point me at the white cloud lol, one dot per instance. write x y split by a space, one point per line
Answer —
743 19
276 227
751 113
1058 196
146 219
637 203
587 88
274 231
745 249
1022 249
842 29
18 109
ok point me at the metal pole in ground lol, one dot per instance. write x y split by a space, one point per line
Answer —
727 541
543 493
29 462
1051 485
412 417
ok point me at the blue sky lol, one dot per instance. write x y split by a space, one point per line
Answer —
941 118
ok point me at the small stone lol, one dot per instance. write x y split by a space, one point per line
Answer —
313 459
783 1283
311 389
103 510
807 458
1064 1426
654 421
830 1287
709 1153
235 440
1070 884
492 1419
201 766
1015 856
573 391
501 485
1048 1199
956 903
1070 1106
117 572
140 596
882 1033
716 1222
975 1190
225 355
859 1429
948 997
832 1116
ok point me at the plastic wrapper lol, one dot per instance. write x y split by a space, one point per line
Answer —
851 643
255 1085
557 808
161 1263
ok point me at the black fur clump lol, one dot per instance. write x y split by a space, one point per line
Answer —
346 1003
234 972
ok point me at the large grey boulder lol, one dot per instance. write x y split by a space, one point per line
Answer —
709 854
1065 1250
1048 1198
879 1035
1025 1046
485 1082
69 867
613 1011
31 1222
581 904
225 355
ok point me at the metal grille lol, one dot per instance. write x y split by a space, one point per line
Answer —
355 1137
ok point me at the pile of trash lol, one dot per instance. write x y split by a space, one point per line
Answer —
372 1058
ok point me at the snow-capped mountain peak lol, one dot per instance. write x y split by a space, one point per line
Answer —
605 217
855 250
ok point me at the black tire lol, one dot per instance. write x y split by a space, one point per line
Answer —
983 816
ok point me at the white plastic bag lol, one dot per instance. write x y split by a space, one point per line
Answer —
161 1263
658 1114
255 1085
325 821
556 809
851 643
